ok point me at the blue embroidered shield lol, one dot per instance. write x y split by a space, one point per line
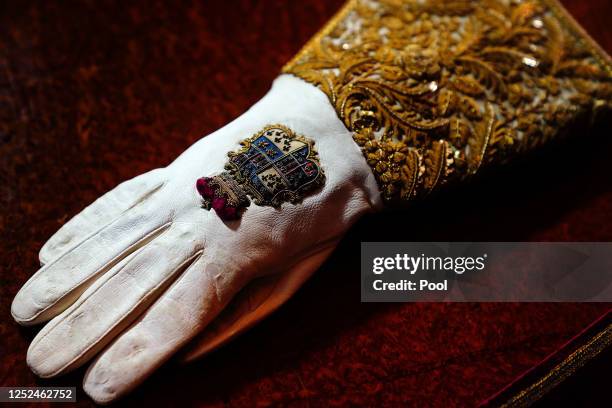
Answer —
273 166
276 166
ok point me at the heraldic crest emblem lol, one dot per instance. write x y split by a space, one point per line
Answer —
272 167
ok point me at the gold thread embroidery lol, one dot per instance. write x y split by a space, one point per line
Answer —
562 371
434 90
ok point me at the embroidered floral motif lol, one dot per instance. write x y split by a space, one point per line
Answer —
272 167
433 90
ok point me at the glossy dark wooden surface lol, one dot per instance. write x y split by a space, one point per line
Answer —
94 93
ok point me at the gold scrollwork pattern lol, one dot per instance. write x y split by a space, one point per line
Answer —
433 90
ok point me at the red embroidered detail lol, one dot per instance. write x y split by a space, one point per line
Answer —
220 194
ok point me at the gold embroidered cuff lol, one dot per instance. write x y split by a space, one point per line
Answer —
435 90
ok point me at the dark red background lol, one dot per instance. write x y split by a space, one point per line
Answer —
94 93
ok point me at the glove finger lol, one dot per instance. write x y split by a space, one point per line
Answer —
252 304
180 313
100 213
108 307
58 284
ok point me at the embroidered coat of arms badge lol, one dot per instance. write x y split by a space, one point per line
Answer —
272 167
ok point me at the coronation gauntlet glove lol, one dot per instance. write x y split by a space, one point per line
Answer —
390 101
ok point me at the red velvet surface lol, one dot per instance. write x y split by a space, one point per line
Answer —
92 94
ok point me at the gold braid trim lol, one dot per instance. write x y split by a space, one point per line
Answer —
434 90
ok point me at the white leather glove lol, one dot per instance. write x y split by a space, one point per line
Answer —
146 268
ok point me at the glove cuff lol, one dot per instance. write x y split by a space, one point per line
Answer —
434 91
